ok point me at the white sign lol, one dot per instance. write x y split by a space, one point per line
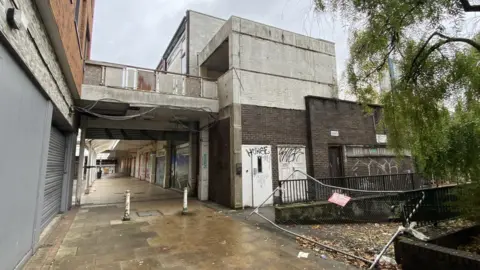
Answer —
334 133
381 138
339 199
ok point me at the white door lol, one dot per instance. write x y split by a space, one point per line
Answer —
256 175
291 158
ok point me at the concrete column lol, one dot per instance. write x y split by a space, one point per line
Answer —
193 161
93 170
204 155
168 165
70 167
81 160
89 170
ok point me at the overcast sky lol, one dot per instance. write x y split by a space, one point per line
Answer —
138 32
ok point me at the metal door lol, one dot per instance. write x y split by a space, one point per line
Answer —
291 158
54 177
256 175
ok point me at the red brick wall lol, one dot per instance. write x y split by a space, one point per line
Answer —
72 36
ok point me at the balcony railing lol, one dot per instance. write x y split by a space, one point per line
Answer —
134 78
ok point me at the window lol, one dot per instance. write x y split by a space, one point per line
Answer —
259 164
77 12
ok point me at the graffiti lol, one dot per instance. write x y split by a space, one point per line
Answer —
290 154
259 151
376 167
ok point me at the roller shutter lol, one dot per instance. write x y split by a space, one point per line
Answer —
54 178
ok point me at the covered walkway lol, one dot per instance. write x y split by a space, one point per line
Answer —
111 190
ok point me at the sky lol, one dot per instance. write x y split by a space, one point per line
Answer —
137 32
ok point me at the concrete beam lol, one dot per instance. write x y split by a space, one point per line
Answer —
135 124
95 92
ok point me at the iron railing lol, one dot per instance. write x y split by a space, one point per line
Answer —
377 198
437 205
307 190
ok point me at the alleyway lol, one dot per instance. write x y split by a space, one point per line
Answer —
159 237
112 191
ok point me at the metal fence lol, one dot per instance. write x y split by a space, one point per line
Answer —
373 199
307 190
438 204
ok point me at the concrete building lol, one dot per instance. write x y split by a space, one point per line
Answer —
43 45
232 107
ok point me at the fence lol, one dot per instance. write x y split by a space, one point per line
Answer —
436 206
308 190
373 199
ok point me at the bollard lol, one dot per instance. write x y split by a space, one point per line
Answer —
185 201
126 215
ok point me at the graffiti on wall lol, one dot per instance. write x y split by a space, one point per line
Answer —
375 166
262 151
290 154
258 150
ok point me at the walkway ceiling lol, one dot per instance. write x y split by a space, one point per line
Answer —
130 134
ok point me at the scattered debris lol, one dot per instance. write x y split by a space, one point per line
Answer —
367 240
302 254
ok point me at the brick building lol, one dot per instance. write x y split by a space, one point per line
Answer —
255 103
43 46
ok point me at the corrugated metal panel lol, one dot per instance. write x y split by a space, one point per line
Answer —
54 177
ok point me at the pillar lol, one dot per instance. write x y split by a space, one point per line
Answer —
81 160
193 161
203 164
168 165
89 168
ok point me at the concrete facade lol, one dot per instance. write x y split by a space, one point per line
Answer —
246 84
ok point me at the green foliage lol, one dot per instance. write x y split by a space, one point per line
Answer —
433 107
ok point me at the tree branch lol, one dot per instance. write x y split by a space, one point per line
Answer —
416 64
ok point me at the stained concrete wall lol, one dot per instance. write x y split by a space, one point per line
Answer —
35 50
174 61
201 29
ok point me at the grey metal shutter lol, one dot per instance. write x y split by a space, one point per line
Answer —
54 178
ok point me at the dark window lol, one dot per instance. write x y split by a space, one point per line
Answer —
77 12
259 164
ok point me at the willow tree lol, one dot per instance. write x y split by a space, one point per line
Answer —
433 105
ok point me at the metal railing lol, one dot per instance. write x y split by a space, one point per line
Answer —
144 79
307 190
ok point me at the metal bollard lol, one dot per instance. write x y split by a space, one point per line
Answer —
185 200
126 215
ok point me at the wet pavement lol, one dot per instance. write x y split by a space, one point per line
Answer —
112 191
160 237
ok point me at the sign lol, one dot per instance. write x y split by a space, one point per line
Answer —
334 133
381 138
339 199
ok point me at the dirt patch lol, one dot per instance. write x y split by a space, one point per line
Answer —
366 240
